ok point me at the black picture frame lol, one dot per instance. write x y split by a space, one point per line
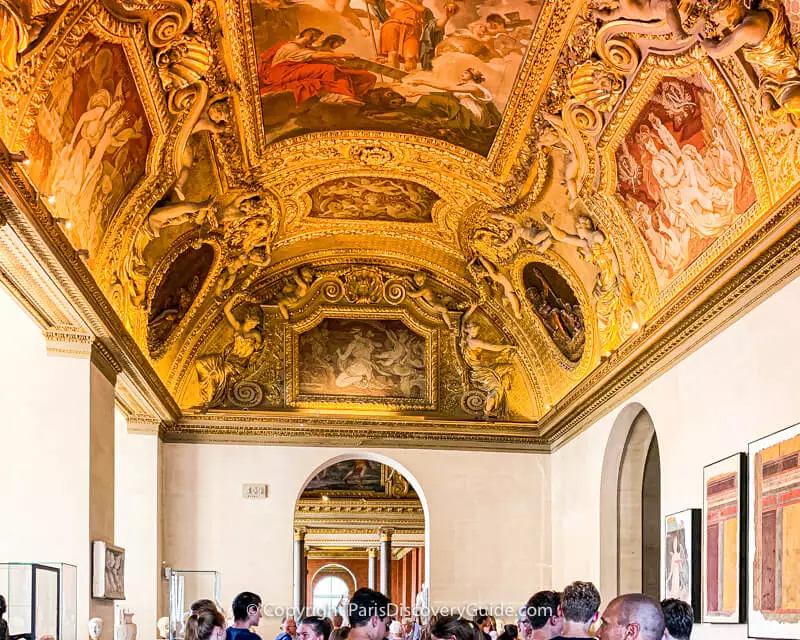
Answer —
734 463
692 517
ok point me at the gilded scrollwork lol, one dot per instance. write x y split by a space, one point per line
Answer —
441 227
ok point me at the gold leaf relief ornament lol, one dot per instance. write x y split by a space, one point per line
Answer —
363 286
489 370
598 87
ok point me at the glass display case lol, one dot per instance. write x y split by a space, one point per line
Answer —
42 600
184 588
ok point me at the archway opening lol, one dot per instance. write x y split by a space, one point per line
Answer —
630 520
359 522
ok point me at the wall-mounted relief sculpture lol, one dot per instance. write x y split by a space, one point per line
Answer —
175 294
682 173
440 69
549 296
90 140
361 357
370 198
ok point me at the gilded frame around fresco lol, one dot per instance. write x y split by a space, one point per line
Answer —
652 71
292 333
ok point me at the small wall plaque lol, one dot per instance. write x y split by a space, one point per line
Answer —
254 491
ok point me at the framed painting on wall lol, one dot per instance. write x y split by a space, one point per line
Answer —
682 558
773 548
724 536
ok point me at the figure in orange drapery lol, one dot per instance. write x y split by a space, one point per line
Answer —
308 72
401 33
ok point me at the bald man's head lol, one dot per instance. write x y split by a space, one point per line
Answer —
633 616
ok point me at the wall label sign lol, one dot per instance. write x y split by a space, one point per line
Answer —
254 491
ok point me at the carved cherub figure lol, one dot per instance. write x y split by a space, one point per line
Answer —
295 290
556 136
175 213
644 11
540 239
762 34
482 270
215 119
425 293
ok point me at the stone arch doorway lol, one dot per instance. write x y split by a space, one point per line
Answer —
366 515
630 507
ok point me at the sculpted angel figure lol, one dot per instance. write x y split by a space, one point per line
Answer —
763 36
557 137
216 372
176 213
614 299
490 365
540 239
215 119
645 11
482 270
295 290
425 293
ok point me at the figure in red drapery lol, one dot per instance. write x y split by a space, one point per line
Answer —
298 67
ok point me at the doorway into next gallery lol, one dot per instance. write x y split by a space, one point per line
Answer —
358 522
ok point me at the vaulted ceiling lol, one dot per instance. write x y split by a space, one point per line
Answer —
447 222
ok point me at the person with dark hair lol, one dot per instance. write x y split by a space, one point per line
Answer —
246 613
510 632
678 619
342 633
331 42
288 629
314 628
541 617
456 628
3 623
483 621
633 616
579 606
205 624
368 612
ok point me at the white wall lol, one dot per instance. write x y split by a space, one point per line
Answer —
44 445
489 532
136 522
740 386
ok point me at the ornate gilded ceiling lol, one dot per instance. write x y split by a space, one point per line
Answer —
433 221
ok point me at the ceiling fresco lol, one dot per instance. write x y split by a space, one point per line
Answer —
450 212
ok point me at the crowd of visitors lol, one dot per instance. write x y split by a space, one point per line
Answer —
548 615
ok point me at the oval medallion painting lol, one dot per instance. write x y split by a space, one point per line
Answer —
552 301
175 295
